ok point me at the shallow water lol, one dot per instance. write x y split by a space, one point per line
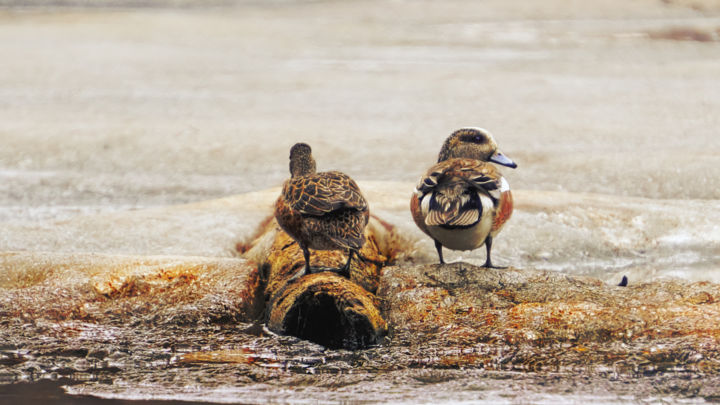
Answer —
109 116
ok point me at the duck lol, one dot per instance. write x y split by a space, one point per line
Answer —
463 201
321 210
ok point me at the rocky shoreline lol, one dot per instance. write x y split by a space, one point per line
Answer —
131 320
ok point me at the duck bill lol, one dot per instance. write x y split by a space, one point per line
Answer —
501 159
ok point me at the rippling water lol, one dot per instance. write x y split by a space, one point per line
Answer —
110 116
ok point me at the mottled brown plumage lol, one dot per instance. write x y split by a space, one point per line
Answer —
321 211
463 201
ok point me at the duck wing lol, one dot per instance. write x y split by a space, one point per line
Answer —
323 193
455 192
476 174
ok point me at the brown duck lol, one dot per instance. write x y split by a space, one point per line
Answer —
321 211
463 201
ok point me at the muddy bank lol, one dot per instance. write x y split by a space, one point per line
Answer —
522 319
125 290
140 327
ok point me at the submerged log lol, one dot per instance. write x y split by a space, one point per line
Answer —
323 307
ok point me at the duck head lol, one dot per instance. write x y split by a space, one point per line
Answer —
301 160
473 143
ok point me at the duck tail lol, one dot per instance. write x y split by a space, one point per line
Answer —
461 211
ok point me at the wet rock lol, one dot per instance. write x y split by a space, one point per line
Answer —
533 320
74 352
98 354
11 359
154 290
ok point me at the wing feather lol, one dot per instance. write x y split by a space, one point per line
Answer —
478 174
322 193
465 217
449 194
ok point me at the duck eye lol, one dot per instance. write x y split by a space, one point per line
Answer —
479 139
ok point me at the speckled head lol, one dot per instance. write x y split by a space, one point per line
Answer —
301 160
474 143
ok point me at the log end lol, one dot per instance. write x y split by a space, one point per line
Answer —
329 310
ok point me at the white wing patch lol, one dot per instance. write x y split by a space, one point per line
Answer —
504 186
425 205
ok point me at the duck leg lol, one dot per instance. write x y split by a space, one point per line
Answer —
438 247
305 270
345 270
306 255
488 262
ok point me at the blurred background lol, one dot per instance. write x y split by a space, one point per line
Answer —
108 105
